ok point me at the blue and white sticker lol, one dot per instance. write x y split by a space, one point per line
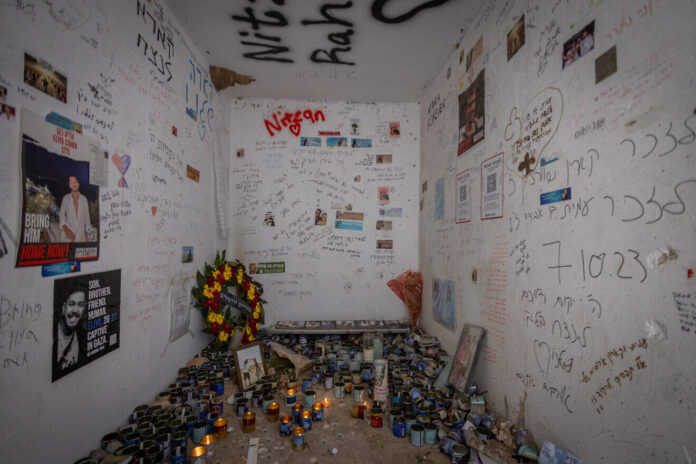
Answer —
555 196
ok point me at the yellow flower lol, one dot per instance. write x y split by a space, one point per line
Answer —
207 291
251 338
257 326
250 295
223 336
239 279
217 287
212 317
215 274
252 288
248 330
258 307
227 274
220 318
256 314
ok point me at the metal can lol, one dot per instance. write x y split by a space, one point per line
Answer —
376 418
459 453
285 425
358 394
306 384
298 435
399 427
273 412
248 422
256 399
241 407
410 421
328 382
216 405
417 435
306 420
340 390
317 412
447 444
309 398
430 433
220 428
296 411
290 397
179 438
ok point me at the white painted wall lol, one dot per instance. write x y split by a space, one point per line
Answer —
331 274
96 44
625 205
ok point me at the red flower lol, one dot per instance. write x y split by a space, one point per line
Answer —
253 302
245 285
234 271
216 296
215 328
221 279
226 327
247 278
212 305
211 281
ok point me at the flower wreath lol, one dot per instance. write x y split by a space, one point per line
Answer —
217 317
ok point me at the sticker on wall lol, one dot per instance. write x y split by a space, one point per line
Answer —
579 45
394 130
269 219
605 65
186 254
42 76
492 187
383 195
8 112
384 225
193 173
60 209
463 200
122 163
385 244
310 141
240 153
383 159
175 131
515 38
361 143
179 309
555 196
320 217
443 302
390 212
64 122
86 320
332 142
354 127
66 267
440 199
267 268
329 133
349 220
471 114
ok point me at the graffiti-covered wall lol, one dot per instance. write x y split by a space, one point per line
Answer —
109 127
324 204
558 182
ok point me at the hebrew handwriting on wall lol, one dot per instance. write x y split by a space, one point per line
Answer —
157 44
199 99
531 131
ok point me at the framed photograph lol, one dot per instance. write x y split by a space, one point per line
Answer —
250 367
466 356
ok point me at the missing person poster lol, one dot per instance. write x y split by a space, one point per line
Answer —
60 209
86 319
471 114
492 187
463 200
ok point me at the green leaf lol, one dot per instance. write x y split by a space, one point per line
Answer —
200 279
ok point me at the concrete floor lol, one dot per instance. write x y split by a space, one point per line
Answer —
354 439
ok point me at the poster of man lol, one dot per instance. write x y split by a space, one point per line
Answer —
579 45
41 75
60 210
471 114
86 319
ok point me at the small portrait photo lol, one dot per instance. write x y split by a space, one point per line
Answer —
320 217
383 195
579 45
250 367
41 75
268 219
385 244
383 159
394 129
515 38
186 254
384 225
240 153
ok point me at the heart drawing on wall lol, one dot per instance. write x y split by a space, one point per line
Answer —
542 354
122 162
531 131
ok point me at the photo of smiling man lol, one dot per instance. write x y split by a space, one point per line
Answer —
68 347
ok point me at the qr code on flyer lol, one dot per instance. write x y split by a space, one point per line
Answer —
462 193
491 183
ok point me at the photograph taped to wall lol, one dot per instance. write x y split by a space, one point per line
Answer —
466 356
348 225
332 142
321 217
350 215
186 254
463 197
86 320
605 65
42 76
394 130
250 367
471 114
384 225
492 187
60 209
385 245
579 45
310 141
8 112
391 212
444 302
383 196
361 143
383 159
515 38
